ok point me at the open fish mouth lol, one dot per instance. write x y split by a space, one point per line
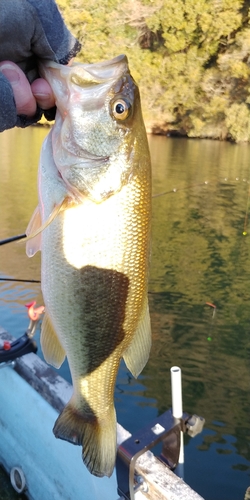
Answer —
107 69
83 75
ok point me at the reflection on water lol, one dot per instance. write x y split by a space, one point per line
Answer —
200 258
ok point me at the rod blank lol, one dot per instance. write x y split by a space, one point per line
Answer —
13 238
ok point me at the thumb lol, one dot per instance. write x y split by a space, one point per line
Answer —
43 94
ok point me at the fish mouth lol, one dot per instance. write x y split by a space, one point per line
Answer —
86 74
80 82
107 69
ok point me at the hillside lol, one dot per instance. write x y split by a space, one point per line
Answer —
190 58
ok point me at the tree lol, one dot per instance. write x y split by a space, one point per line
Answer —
189 57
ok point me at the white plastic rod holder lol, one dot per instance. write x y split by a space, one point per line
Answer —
176 389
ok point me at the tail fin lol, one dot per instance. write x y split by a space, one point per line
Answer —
97 437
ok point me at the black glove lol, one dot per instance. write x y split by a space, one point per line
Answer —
30 30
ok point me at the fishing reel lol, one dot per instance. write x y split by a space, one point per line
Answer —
25 344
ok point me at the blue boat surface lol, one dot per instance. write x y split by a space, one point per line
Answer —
31 396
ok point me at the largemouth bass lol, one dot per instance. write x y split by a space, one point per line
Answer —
95 199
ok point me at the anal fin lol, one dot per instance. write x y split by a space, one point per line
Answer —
52 349
137 354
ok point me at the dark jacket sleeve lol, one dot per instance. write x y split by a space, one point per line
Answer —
30 30
8 116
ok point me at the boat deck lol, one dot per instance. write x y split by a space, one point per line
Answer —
32 395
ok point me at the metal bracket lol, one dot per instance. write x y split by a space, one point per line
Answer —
11 364
165 429
195 425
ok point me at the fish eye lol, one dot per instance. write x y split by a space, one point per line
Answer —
121 109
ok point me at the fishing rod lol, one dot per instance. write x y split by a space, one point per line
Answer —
12 238
175 190
198 184
20 280
156 195
24 236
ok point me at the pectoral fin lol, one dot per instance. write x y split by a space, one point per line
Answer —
33 245
52 349
137 354
35 226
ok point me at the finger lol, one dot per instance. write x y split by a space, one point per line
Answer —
24 99
43 93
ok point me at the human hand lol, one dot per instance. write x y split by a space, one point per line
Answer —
30 31
27 96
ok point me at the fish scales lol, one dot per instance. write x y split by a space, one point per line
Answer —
95 253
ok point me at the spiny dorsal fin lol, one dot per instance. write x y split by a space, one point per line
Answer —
52 349
137 354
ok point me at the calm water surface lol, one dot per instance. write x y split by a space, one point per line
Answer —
200 255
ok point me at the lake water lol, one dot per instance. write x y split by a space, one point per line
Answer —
200 259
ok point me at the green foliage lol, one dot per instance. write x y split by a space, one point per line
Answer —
190 58
238 122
